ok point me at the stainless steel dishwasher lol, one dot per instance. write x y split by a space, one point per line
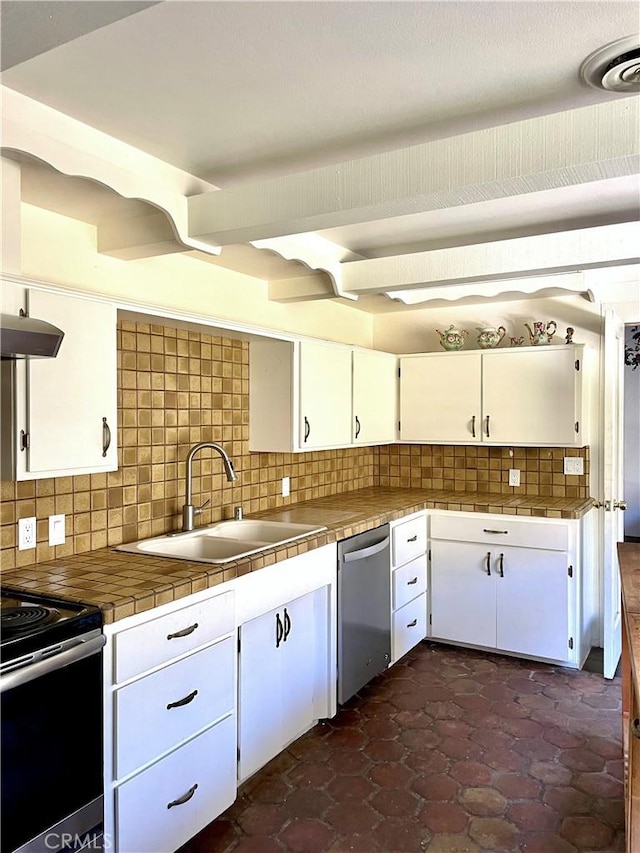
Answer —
364 609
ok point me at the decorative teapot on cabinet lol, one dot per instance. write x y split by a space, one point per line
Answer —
541 334
452 338
489 337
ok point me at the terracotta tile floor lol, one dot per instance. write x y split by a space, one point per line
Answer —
449 751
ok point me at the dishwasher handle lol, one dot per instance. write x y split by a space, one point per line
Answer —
363 553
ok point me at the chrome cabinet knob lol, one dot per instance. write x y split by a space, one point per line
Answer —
620 505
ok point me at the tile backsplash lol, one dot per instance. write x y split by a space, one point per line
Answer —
178 387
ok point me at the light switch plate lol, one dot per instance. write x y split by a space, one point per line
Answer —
573 465
286 487
514 476
56 530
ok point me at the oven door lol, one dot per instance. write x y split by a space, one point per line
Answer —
52 778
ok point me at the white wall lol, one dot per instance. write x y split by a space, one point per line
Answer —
631 442
415 331
62 251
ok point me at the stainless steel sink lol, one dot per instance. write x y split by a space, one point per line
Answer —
222 542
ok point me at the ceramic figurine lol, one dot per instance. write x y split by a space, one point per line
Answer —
517 342
541 334
452 339
489 337
568 338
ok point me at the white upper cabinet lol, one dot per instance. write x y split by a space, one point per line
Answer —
325 395
63 418
375 392
440 398
529 396
308 395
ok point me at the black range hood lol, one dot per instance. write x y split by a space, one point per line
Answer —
27 337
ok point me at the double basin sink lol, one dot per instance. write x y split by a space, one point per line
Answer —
222 542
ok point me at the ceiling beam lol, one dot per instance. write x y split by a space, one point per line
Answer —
131 238
560 150
543 254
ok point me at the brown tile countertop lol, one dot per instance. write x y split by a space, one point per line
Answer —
122 584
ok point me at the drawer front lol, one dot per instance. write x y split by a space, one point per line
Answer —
409 540
144 821
167 637
409 581
501 530
409 626
160 710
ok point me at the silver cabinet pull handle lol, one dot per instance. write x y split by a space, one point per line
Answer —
307 428
412 624
473 426
488 558
181 702
488 530
279 631
184 633
357 426
413 538
106 436
184 798
501 565
486 428
411 583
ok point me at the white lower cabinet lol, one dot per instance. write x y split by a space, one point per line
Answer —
170 723
276 681
287 662
408 583
522 598
165 805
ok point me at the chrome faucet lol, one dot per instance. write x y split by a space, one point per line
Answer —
189 511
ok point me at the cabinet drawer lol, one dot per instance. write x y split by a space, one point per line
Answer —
167 637
501 530
409 626
154 809
409 540
409 581
160 710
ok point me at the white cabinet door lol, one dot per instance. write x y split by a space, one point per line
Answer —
71 399
463 593
530 396
277 671
440 397
375 394
532 602
325 395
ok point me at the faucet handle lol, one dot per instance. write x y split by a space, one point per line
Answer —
198 509
237 513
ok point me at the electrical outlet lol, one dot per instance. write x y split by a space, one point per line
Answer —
56 530
573 465
514 476
26 533
286 487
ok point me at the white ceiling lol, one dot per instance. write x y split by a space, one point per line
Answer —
242 91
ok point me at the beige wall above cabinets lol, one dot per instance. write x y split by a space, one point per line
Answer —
63 251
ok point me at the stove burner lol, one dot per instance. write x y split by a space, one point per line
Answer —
16 620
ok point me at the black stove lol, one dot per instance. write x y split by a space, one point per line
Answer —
33 625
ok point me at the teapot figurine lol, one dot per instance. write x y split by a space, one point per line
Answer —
452 338
489 337
541 334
